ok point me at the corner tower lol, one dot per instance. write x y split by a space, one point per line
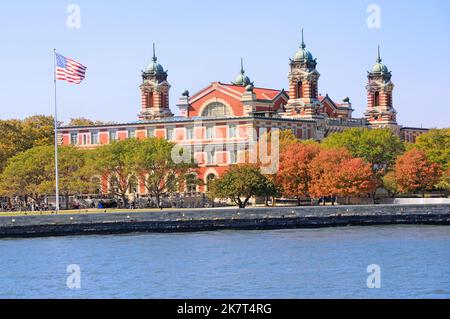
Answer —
380 112
154 91
303 84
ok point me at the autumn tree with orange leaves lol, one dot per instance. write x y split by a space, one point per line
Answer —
294 175
334 172
415 173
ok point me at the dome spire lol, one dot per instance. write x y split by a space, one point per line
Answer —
303 45
379 55
242 79
154 53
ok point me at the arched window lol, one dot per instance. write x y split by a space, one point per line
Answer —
376 99
299 89
150 99
209 179
114 185
191 183
215 109
133 185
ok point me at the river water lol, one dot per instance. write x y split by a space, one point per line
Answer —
414 262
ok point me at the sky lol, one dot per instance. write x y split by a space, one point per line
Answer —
202 41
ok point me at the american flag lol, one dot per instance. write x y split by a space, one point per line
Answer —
69 70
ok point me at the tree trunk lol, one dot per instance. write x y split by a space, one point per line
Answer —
158 203
66 196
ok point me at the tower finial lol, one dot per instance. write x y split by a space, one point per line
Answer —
303 42
379 55
154 53
242 66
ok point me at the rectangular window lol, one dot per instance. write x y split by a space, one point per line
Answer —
112 136
189 133
131 133
169 133
84 139
94 138
151 132
233 156
209 132
232 131
211 157
73 138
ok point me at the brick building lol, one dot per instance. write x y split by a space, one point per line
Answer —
222 120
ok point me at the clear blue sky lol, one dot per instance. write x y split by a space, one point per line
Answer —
202 41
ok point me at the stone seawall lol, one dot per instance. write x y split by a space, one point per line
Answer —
218 219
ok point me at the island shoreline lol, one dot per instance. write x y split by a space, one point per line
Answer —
199 220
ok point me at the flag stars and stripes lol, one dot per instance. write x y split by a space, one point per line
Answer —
69 70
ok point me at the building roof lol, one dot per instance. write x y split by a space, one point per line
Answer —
261 93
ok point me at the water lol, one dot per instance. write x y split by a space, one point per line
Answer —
312 263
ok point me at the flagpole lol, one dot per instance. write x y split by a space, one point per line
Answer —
56 137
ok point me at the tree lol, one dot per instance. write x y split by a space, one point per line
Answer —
354 177
335 173
25 175
18 136
378 147
75 177
444 183
415 173
116 163
294 176
239 183
436 145
162 174
390 183
81 121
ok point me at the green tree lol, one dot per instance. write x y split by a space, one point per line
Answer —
25 174
116 163
163 174
240 183
436 145
82 121
75 177
378 147
20 135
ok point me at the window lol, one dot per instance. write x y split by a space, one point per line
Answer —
131 133
169 133
189 133
209 179
210 157
94 138
84 139
299 89
150 99
73 138
151 132
191 183
133 185
233 156
376 99
112 136
232 131
215 109
209 132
